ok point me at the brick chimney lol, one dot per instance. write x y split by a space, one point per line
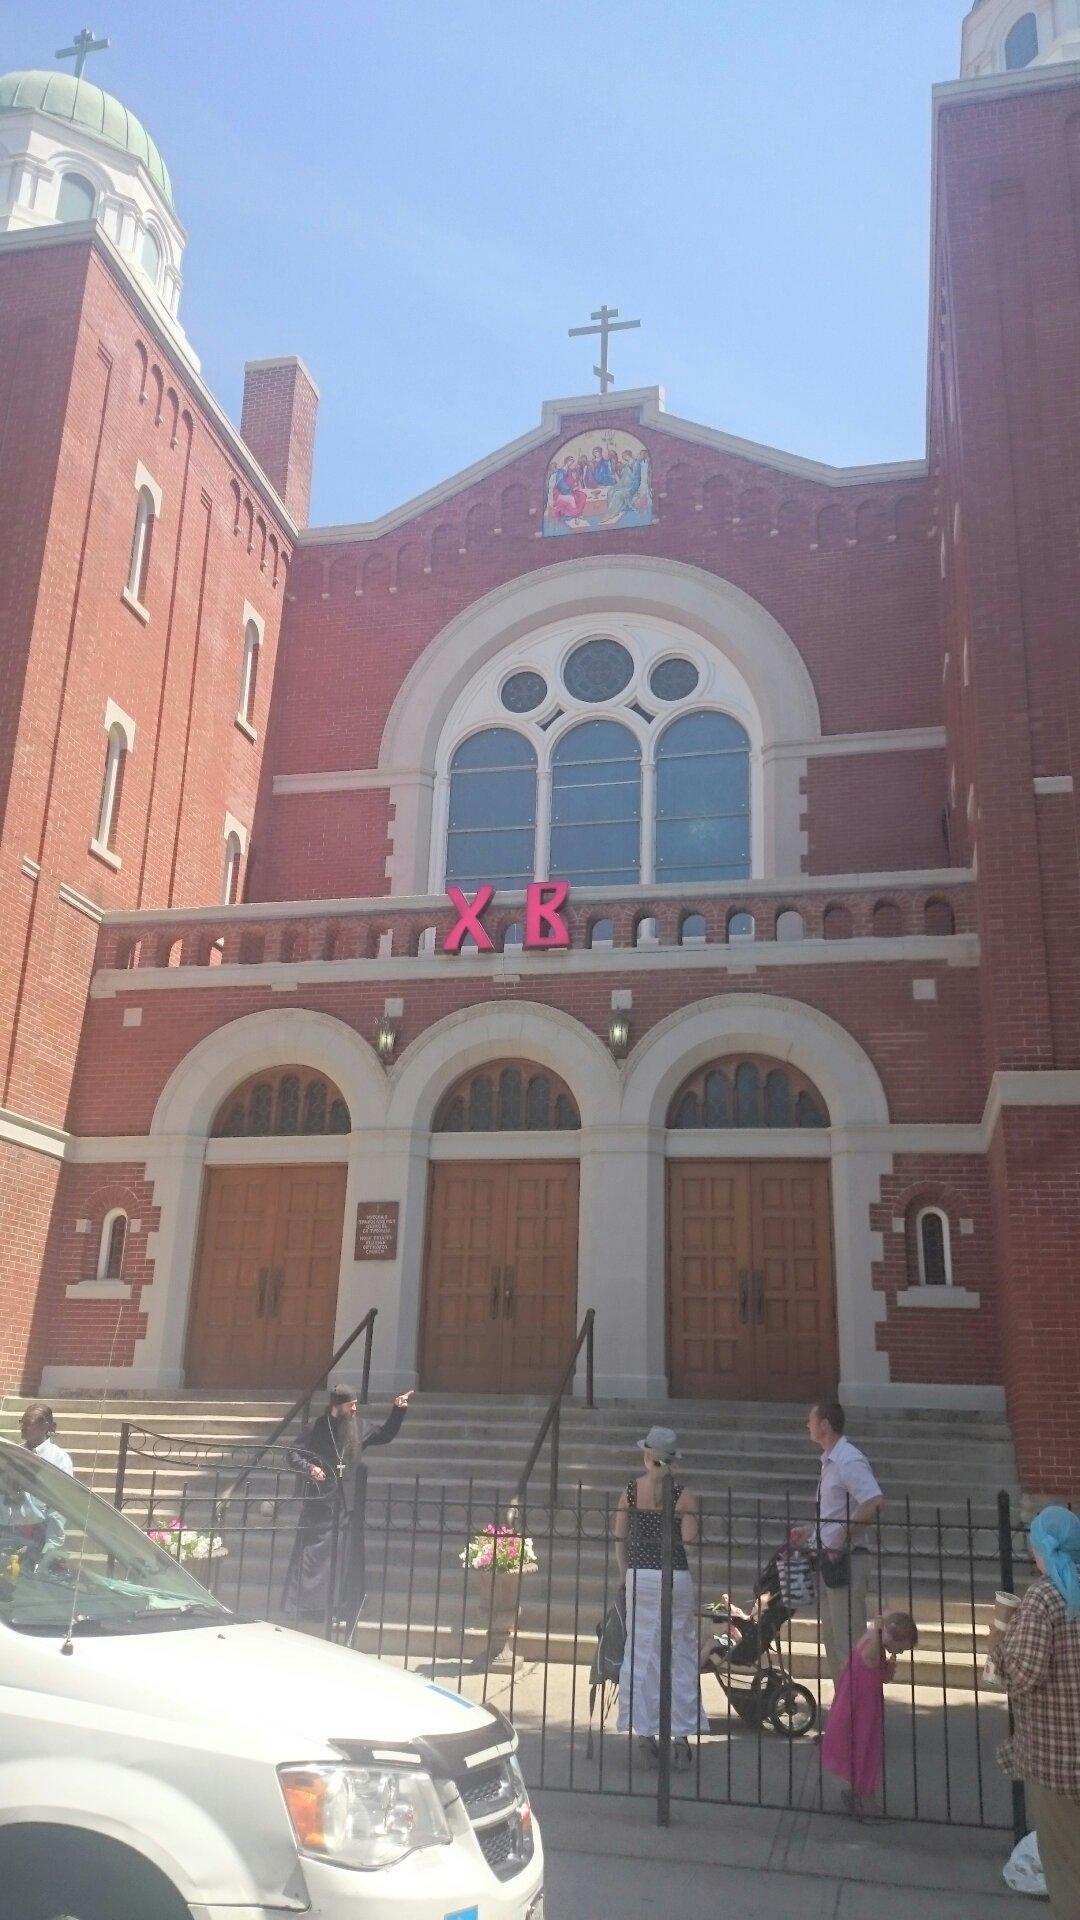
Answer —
278 423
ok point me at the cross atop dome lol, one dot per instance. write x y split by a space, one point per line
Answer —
80 50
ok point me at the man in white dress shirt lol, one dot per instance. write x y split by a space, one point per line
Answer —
848 1500
38 1426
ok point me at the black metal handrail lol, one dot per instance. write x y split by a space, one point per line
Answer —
366 1326
552 1419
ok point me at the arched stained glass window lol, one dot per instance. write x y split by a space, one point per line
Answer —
288 1104
289 1100
703 799
481 1105
492 822
508 1096
511 1108
747 1092
596 806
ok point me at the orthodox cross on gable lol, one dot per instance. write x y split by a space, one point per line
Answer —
80 50
609 324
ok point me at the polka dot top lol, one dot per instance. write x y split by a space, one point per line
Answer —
643 1535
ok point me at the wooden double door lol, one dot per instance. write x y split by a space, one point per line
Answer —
500 1281
751 1299
266 1281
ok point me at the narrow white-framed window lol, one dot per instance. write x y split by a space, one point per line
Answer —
147 509
150 255
76 199
933 1247
120 739
236 839
249 674
113 1245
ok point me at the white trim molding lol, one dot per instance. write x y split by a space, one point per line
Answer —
1030 1087
71 897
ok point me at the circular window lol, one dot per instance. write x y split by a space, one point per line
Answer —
523 691
673 679
598 670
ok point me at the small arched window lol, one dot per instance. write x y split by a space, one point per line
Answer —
933 1248
76 199
141 540
747 1092
249 675
693 930
703 799
491 829
234 853
151 255
508 1096
1022 43
112 787
289 1100
114 1229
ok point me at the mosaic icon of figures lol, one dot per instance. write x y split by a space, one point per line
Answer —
597 481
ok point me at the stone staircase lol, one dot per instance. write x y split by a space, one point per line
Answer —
453 1469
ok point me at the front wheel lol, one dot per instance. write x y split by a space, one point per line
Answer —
793 1710
62 1874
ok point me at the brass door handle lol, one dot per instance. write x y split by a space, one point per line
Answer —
744 1294
264 1275
759 1282
495 1272
509 1276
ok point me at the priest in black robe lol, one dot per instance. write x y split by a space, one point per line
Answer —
329 1546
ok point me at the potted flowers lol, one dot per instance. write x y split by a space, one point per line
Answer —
193 1549
502 1556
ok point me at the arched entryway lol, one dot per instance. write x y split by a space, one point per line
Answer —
751 1299
499 1306
265 1290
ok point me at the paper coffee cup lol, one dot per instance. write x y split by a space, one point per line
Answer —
1004 1604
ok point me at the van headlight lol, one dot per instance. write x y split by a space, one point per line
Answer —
365 1817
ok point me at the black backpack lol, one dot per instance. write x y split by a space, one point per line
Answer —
607 1661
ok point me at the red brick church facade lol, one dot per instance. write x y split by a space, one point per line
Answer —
228 749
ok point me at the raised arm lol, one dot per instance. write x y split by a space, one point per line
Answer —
391 1427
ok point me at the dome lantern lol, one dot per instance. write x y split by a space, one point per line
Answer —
1007 36
71 153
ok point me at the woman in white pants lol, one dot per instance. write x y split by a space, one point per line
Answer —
637 1547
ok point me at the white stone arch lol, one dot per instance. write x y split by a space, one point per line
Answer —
845 1075
713 609
443 1052
179 1148
201 1080
425 1072
753 1023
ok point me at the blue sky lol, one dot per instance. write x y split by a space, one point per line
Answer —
421 196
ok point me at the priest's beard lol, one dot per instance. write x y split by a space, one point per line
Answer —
348 1436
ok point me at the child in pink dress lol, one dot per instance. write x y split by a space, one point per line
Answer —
851 1746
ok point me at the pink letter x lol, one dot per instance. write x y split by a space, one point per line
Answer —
469 912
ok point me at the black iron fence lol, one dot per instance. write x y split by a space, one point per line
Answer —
439 1579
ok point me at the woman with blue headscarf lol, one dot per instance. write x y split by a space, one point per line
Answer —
1038 1656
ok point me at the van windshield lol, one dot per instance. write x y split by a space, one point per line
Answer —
67 1559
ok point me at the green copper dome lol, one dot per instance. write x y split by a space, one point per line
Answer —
78 103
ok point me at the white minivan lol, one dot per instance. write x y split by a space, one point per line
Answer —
163 1759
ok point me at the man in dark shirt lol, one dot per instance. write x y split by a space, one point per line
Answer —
329 1457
